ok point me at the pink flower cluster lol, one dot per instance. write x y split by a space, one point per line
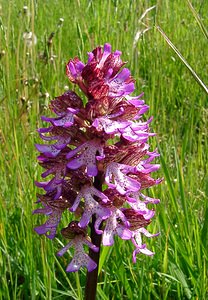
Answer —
105 139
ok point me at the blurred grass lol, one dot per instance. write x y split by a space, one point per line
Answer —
30 76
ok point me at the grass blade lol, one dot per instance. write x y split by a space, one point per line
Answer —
196 77
198 19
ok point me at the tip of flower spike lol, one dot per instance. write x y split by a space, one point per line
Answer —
74 69
90 56
117 53
107 47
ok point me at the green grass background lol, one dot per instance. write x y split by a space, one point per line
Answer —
30 77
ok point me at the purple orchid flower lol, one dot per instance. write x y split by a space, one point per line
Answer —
113 227
98 158
137 241
116 177
80 259
87 157
91 205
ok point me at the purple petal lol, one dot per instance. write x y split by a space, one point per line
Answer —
64 249
147 233
141 249
106 53
92 170
123 75
97 226
45 130
115 174
48 138
41 184
76 202
90 57
143 110
150 200
46 211
87 154
86 216
124 233
74 151
91 265
41 229
72 69
75 264
109 126
48 150
74 164
108 238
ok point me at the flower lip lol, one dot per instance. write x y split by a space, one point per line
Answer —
80 259
86 155
116 178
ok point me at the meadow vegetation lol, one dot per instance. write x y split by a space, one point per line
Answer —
32 71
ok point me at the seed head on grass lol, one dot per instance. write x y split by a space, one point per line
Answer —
107 141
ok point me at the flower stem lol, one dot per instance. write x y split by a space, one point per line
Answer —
92 277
